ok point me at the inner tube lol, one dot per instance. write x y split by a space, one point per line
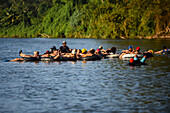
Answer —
26 59
112 56
165 52
66 59
47 59
91 58
132 55
148 55
137 64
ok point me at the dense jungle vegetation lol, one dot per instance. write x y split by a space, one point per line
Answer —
85 18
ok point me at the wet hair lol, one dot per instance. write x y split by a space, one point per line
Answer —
113 50
92 51
54 48
36 52
164 47
108 51
75 50
51 50
79 50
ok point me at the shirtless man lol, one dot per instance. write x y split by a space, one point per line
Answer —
129 51
36 55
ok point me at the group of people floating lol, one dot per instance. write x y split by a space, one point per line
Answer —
64 53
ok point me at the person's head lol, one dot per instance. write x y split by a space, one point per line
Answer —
89 51
84 51
64 43
138 49
130 48
108 51
100 47
164 47
36 53
113 50
54 48
71 50
47 52
98 51
55 52
51 50
92 51
74 51
131 60
151 51
79 51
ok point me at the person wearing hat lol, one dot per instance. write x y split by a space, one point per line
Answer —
64 48
136 62
131 62
164 50
85 54
46 54
84 51
149 53
137 50
101 49
98 52
129 51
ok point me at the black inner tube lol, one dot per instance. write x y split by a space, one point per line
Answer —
91 58
31 59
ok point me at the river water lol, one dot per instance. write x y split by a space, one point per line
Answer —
104 86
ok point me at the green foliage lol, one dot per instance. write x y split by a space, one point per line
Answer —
56 21
83 18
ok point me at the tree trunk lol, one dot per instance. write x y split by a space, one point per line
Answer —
125 30
157 17
157 23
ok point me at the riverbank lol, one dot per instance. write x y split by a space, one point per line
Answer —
80 19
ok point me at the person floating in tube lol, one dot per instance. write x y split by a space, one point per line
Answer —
136 61
165 50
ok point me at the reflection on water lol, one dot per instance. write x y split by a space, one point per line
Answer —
108 85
